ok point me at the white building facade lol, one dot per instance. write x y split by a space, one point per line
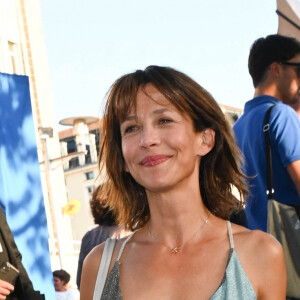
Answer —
23 52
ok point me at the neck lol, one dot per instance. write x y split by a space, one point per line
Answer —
170 212
269 89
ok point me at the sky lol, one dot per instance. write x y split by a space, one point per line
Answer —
92 43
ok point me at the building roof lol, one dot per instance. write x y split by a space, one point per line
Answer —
289 18
69 132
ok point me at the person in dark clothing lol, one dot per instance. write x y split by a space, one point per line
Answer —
23 288
239 218
106 228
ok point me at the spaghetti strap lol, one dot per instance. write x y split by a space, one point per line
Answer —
230 234
103 268
124 244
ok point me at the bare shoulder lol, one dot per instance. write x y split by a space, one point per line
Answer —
94 257
91 267
89 272
257 241
262 258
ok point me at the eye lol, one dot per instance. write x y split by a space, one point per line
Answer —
130 128
164 121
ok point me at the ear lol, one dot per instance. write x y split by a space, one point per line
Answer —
274 69
206 141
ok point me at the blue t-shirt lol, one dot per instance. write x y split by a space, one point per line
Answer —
285 144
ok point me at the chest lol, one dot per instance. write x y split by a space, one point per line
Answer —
173 276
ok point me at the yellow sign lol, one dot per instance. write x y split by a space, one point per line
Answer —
72 207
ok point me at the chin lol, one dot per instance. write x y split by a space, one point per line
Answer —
157 187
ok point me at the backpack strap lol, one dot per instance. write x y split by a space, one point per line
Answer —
104 266
266 130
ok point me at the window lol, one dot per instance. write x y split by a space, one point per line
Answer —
71 146
13 53
89 175
90 190
88 159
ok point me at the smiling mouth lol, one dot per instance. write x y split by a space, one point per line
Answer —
151 161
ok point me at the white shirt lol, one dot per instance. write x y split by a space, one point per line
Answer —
67 295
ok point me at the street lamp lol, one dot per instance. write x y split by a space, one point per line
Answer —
45 134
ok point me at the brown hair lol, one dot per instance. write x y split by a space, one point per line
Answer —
220 169
101 212
62 275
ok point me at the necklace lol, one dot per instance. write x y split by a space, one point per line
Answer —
176 249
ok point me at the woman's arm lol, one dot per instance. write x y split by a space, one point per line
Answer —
274 272
89 273
266 265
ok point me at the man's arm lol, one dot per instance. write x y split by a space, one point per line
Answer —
23 280
294 172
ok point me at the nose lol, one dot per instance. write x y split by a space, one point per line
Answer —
149 137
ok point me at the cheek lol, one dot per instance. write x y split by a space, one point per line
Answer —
125 150
128 152
181 140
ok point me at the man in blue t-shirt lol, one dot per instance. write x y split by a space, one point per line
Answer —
274 65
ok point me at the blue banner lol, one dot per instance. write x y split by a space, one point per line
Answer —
20 182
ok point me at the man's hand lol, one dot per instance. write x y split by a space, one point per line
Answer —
5 289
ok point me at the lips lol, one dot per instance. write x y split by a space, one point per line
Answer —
154 160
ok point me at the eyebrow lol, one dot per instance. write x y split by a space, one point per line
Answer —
155 112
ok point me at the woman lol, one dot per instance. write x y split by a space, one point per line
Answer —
171 163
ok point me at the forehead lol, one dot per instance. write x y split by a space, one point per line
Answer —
56 278
150 94
146 97
134 99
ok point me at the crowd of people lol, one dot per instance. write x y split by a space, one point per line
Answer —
182 186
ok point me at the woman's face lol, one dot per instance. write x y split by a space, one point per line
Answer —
159 144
